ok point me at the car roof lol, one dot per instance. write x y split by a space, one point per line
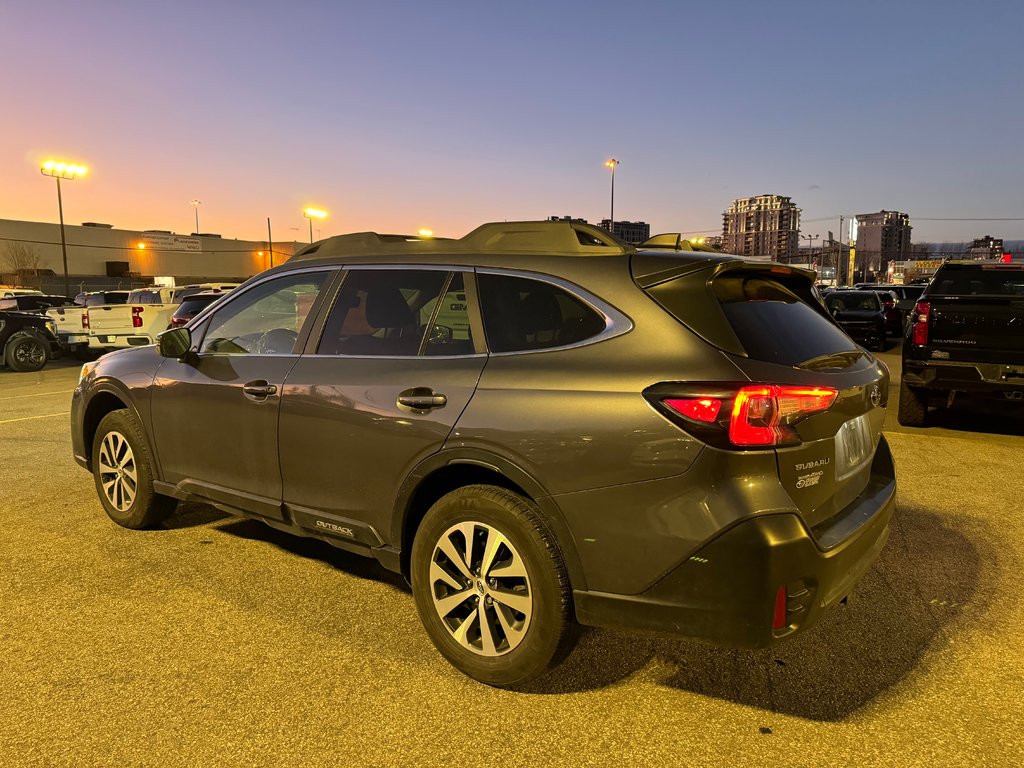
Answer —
562 247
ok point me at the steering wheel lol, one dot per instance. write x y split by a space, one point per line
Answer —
279 341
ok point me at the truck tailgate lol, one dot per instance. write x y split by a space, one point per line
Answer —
978 328
111 319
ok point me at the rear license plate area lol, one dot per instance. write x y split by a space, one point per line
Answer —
855 446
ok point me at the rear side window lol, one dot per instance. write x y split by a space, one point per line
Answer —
773 324
978 281
524 314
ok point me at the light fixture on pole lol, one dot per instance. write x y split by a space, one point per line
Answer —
611 216
195 204
313 213
810 246
69 172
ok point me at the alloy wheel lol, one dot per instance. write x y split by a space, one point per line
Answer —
30 353
480 588
118 475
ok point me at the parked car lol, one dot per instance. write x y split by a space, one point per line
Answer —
967 336
73 321
30 302
27 340
146 313
536 424
9 292
192 305
861 314
906 297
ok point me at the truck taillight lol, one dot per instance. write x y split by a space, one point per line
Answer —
85 321
137 317
762 415
919 334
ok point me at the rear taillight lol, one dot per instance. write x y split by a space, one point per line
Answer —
888 304
85 321
762 415
137 317
919 334
703 409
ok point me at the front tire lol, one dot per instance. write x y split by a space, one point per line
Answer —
123 472
913 410
25 354
491 587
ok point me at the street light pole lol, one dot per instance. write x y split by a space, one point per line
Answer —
195 204
58 171
313 213
611 215
810 244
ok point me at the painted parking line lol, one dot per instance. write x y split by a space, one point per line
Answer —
29 418
38 394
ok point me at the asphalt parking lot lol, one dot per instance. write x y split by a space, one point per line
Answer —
219 641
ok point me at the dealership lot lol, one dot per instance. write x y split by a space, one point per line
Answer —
222 642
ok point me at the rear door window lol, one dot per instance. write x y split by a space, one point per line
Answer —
387 313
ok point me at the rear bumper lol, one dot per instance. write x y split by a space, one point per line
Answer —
119 341
69 342
963 376
725 593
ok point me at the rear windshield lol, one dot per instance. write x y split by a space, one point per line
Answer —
143 297
978 281
98 299
854 300
193 304
773 324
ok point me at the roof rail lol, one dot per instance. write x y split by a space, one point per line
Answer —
573 238
676 242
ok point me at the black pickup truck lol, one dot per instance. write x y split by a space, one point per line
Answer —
966 335
27 340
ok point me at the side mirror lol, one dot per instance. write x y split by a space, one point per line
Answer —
905 305
174 343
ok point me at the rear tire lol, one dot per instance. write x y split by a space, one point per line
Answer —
491 587
123 472
25 353
913 410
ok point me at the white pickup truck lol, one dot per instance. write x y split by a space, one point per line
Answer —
73 322
146 313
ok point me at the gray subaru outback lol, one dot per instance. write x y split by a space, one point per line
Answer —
538 425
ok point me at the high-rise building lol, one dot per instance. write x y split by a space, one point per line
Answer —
986 247
630 231
766 226
881 237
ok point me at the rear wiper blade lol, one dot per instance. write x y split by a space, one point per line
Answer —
833 360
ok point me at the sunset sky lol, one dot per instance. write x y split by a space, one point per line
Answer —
396 116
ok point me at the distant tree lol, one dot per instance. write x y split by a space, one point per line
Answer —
21 256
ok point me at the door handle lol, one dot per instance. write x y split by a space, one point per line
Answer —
421 399
259 389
